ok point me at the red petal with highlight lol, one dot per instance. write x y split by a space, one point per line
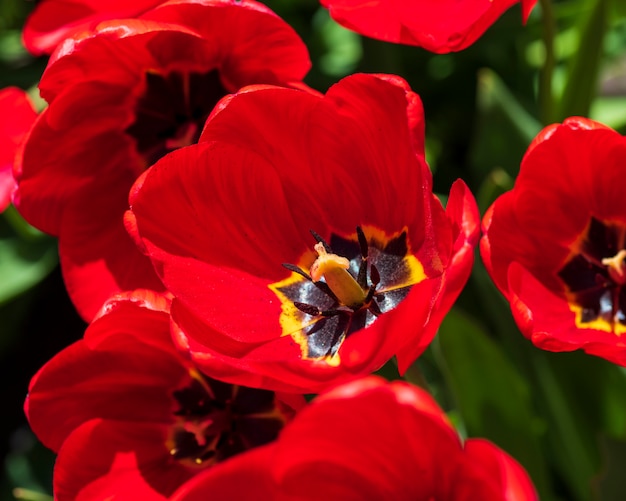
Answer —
18 117
442 26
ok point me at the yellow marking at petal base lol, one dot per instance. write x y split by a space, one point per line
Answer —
417 274
378 238
292 320
599 324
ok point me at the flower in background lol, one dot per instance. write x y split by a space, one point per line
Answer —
131 418
555 245
301 238
368 439
18 116
121 96
438 26
54 20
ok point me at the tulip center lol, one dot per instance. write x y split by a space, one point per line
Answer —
334 270
171 111
346 287
214 421
594 277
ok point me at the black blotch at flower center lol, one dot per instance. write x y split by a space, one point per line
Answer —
172 110
216 420
382 269
592 276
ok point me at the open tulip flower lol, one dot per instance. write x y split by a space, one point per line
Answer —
121 96
133 419
16 118
368 439
438 26
301 239
556 244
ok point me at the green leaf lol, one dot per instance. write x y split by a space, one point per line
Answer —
493 398
582 79
611 483
24 263
495 184
504 127
343 47
493 93
28 467
610 110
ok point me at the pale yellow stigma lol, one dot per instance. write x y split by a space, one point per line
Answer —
334 270
617 269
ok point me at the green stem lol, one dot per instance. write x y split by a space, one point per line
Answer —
563 425
546 92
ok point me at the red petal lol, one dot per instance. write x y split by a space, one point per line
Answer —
18 117
353 125
512 480
131 357
463 216
373 448
98 258
261 47
443 26
131 463
54 20
224 481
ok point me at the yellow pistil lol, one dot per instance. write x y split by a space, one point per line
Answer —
334 270
616 267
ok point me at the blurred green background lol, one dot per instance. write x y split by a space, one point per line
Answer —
563 416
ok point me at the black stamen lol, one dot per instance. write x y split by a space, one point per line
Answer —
361 278
374 275
362 242
335 311
320 240
374 309
298 270
309 309
323 286
370 294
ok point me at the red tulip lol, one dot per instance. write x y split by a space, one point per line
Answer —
555 244
261 300
133 419
121 96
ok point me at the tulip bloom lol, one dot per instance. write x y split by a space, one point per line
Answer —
300 237
121 96
367 440
18 116
555 245
438 26
131 418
